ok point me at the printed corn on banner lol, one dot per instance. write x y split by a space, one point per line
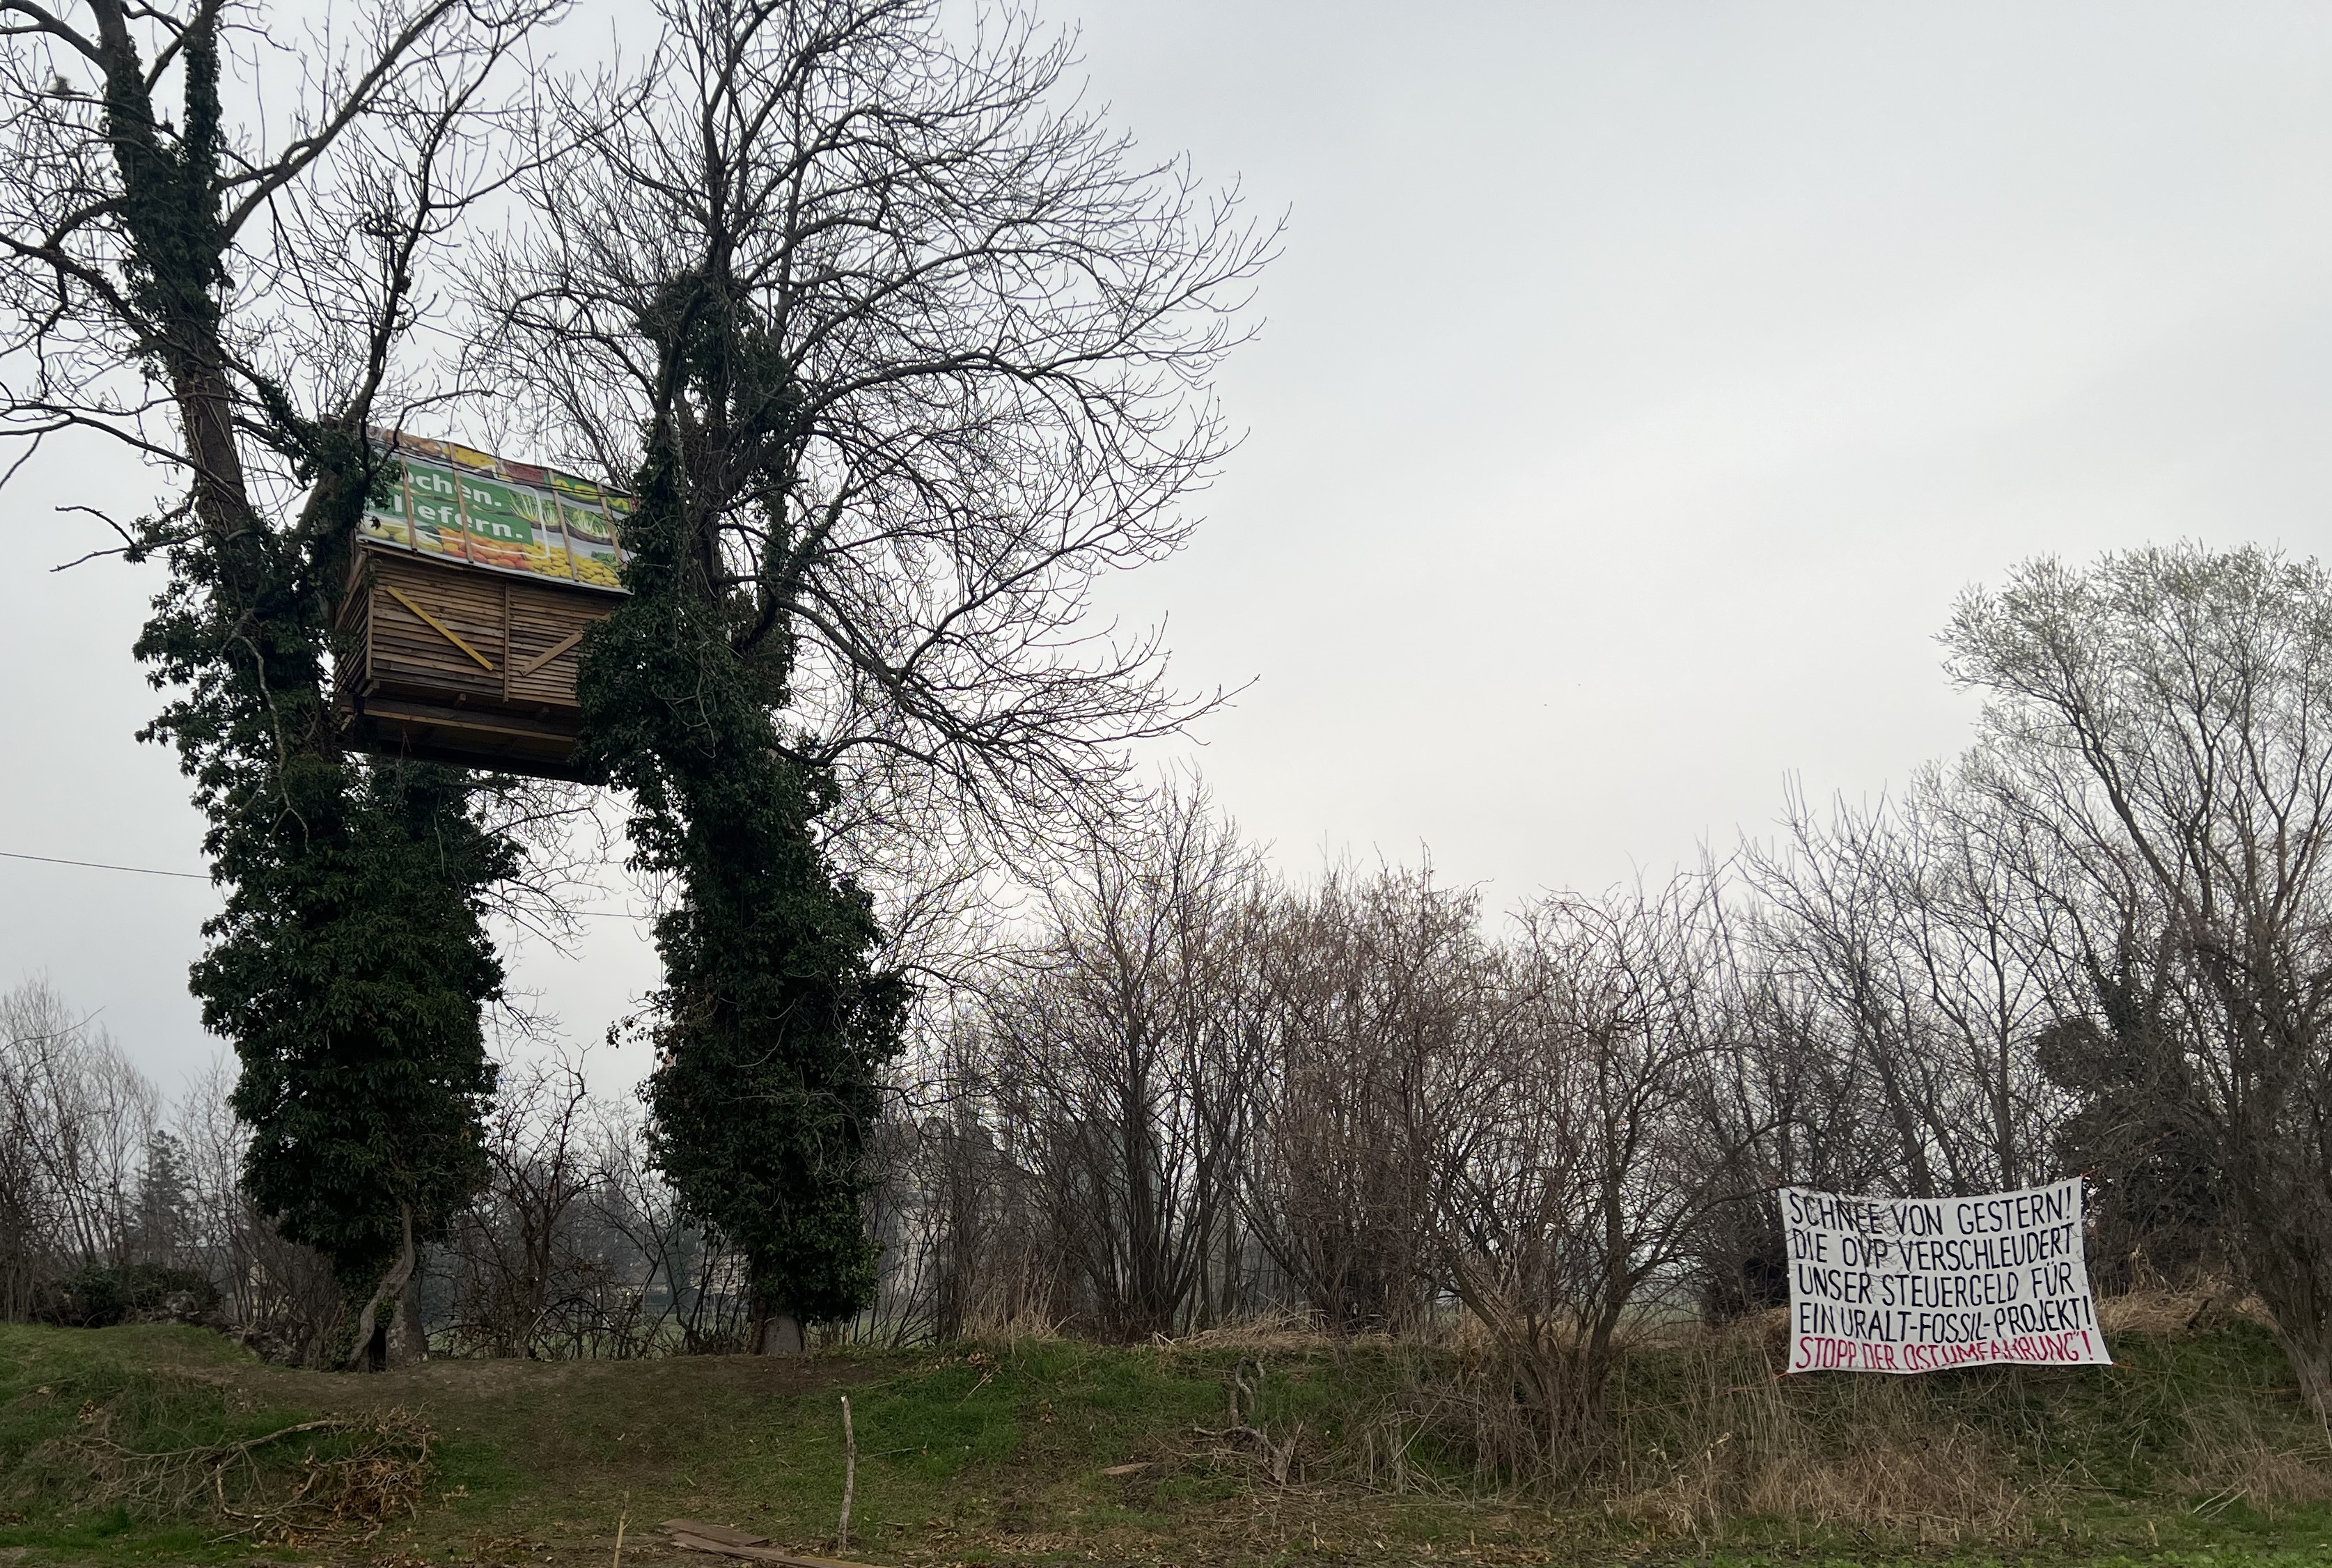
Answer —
459 503
1913 1285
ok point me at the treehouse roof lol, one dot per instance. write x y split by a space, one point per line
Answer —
456 504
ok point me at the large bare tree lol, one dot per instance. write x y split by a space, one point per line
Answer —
213 245
901 350
980 327
2167 715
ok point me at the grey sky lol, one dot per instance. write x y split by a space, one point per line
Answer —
1638 387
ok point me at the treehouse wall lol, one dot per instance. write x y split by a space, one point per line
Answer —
452 664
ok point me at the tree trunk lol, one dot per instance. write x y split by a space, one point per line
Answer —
371 1349
408 1340
2289 1290
779 1334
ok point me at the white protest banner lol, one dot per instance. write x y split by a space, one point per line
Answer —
1913 1285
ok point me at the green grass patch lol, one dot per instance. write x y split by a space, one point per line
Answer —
2194 1451
71 1400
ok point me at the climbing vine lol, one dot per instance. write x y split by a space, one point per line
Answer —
349 962
774 1021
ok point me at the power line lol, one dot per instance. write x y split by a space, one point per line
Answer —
199 877
101 865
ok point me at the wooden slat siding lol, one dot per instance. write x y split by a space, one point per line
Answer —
415 695
540 621
469 603
352 637
354 633
407 652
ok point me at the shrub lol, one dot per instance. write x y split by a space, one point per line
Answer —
102 1295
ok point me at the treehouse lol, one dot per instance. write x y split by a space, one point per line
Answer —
471 590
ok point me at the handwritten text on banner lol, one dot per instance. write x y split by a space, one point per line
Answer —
1912 1285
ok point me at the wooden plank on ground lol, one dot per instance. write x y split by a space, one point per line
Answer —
688 1542
683 1534
722 1533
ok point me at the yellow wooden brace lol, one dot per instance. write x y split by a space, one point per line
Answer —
556 648
440 627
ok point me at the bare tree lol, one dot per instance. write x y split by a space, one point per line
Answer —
201 285
1121 1053
2169 713
971 1247
1920 940
514 1261
1569 1168
1371 984
982 327
75 1120
277 1297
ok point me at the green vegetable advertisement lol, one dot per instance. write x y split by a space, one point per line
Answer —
459 503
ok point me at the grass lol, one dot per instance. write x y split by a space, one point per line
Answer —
2194 1451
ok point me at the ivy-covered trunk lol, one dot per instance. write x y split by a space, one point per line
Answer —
349 962
773 1024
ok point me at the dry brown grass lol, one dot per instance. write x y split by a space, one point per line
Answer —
338 1476
1011 1328
1874 1454
1906 1457
1714 1438
2232 1455
1703 1434
1288 1333
2170 1311
1940 1488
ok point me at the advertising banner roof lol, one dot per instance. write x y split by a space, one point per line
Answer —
456 504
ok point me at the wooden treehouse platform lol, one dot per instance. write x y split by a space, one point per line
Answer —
470 591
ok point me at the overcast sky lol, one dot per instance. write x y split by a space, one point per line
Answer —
1640 384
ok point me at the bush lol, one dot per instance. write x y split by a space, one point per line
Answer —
102 1297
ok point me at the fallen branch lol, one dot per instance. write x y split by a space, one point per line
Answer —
1279 1459
379 1475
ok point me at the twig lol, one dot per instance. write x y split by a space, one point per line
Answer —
849 1476
1279 1459
382 1474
